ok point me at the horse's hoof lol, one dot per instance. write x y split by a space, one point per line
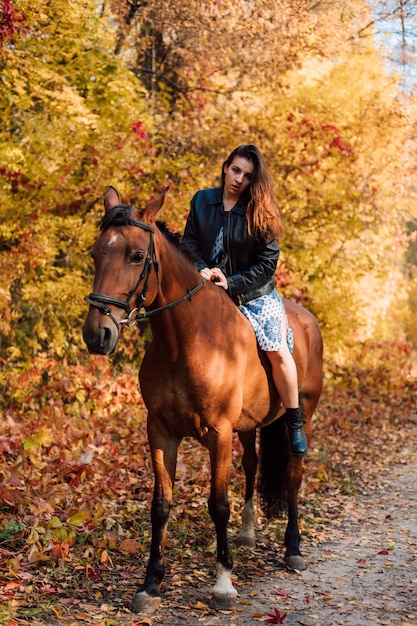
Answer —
295 561
224 601
246 540
144 603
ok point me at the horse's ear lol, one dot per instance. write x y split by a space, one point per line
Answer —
111 198
154 206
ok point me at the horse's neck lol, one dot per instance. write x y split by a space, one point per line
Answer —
177 278
179 328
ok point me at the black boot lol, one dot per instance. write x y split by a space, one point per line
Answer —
296 435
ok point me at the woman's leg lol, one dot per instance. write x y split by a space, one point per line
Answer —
284 373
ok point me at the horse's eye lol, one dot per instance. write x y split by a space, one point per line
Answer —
137 257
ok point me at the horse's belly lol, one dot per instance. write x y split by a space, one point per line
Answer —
192 409
259 409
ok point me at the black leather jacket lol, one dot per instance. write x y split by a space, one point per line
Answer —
249 263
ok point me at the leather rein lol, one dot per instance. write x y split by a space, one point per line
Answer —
102 302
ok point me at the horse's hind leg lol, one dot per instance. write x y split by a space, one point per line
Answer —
279 481
164 458
293 557
246 536
220 449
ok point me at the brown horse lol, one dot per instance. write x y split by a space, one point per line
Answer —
203 376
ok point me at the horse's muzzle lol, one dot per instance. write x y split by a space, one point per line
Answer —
101 339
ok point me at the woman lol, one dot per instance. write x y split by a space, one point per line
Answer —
233 232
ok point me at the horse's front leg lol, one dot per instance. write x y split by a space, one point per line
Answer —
246 536
164 457
220 449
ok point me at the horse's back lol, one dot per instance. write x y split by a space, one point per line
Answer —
307 334
308 355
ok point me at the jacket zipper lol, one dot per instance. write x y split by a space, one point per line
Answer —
228 243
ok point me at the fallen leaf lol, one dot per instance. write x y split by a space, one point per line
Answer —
200 605
129 546
275 617
104 556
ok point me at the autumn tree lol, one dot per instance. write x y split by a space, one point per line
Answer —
184 53
143 94
73 120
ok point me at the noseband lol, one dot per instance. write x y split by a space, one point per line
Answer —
102 302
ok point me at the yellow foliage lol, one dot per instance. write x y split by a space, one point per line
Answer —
81 109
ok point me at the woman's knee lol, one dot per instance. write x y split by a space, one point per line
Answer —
278 358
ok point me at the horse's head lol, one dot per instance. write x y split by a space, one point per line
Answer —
124 278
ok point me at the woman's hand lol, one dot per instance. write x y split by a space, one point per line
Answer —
215 275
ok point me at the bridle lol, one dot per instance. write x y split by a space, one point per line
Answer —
102 302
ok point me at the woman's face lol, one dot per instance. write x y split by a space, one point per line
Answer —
238 176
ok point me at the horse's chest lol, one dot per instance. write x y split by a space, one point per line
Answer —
198 389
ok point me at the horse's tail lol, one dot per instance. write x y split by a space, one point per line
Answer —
274 456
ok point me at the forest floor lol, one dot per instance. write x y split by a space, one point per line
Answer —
358 524
360 546
361 552
362 567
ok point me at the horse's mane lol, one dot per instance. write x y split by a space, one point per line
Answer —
177 241
122 214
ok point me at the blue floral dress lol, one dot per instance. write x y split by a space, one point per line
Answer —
265 314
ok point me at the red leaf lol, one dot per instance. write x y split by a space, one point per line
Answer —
276 617
383 552
138 129
47 588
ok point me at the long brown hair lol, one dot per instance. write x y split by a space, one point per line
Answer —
262 212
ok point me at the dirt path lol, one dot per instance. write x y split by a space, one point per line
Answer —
364 570
362 566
